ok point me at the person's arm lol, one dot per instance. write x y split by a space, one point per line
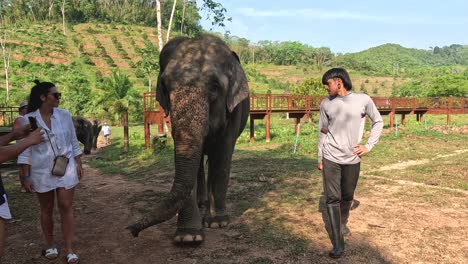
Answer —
323 131
25 177
376 129
75 148
19 122
12 151
4 140
79 166
377 124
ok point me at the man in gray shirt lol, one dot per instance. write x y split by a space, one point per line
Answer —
341 126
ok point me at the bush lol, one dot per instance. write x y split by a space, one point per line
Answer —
139 73
23 63
87 60
159 143
311 86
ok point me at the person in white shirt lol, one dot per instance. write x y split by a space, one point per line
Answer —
106 132
37 162
341 124
22 111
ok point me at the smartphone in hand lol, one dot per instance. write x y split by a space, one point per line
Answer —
32 123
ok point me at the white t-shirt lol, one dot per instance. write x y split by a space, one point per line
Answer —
343 118
106 130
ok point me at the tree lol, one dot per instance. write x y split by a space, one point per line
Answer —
170 21
149 62
311 86
218 12
63 17
117 87
323 55
183 17
6 53
51 5
158 18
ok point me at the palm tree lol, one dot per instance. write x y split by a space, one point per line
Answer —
117 97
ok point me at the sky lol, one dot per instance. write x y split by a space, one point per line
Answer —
349 25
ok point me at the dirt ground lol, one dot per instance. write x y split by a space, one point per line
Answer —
386 228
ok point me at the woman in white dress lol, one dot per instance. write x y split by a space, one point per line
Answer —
38 161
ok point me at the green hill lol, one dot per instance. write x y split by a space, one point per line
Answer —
393 59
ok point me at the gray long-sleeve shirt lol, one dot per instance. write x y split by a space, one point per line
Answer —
341 127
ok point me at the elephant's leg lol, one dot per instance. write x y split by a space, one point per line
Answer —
219 163
189 223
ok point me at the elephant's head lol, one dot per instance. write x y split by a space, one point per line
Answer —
200 83
84 133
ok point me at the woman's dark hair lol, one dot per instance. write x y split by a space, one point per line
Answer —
41 88
338 73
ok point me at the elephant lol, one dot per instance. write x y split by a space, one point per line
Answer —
86 133
203 88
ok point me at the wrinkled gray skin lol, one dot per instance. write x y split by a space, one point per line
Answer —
203 88
86 133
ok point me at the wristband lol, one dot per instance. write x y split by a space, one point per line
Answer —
23 178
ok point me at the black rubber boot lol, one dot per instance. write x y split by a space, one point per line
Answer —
345 206
337 239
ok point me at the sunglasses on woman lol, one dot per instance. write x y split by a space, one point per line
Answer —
57 95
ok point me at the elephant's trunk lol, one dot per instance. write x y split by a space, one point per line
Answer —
186 172
189 124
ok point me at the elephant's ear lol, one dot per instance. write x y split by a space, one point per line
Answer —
162 95
238 86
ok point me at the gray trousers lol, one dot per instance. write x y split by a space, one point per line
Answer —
339 181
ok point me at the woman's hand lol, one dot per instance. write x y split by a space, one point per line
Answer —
79 167
27 184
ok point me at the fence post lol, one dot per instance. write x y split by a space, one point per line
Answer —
252 129
449 109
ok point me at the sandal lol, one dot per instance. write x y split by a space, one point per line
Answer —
72 258
51 253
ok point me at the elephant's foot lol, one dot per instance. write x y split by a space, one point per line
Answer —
216 222
189 236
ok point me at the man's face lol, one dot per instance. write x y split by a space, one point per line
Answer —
23 110
333 85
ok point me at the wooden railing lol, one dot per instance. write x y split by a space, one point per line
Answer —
299 106
288 103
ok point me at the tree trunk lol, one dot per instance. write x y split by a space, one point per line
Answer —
125 125
158 16
183 17
149 82
170 21
6 53
253 54
160 40
63 17
51 5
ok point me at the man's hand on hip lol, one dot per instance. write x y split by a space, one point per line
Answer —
360 150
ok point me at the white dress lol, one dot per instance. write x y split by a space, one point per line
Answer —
41 156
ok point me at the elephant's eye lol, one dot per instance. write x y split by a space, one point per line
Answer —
214 90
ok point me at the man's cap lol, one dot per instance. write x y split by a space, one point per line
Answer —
23 104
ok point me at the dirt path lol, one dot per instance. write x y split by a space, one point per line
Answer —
394 224
102 213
